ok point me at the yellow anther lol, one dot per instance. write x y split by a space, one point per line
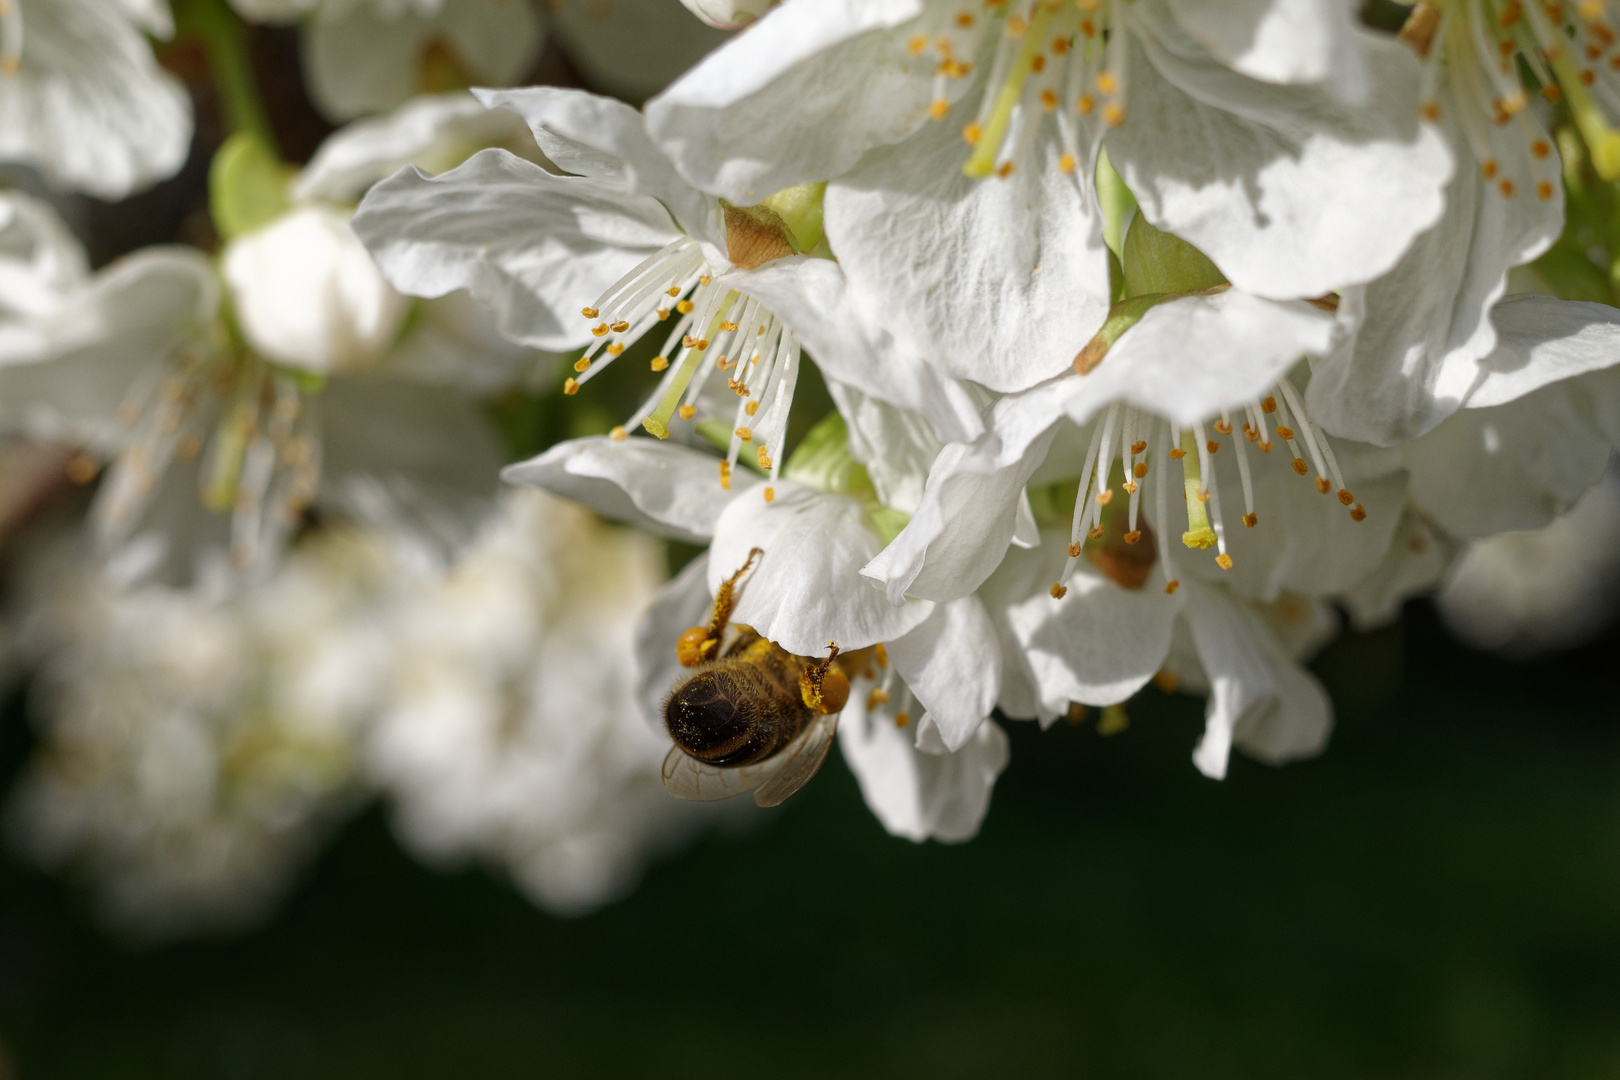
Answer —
589 313
744 434
1345 497
972 134
582 365
751 408
1074 550
687 411
1105 496
1113 114
1249 520
1224 561
917 45
659 363
570 387
1322 485
600 330
1140 445
1049 100
618 434
1544 190
1300 466
939 108
1269 405
1066 163
1133 536
1284 431
1140 469
770 494
1085 104
901 719
725 475
1171 586
684 307
764 458
1107 84
616 348
1058 591
1358 513
620 327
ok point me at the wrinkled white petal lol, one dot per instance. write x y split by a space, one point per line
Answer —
658 486
916 794
1290 192
595 136
1100 643
366 57
40 261
806 588
1280 41
1192 357
999 281
1518 465
1259 699
814 297
434 133
752 118
952 663
894 445
89 106
1418 333
533 247
970 506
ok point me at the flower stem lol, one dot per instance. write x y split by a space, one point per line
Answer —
222 35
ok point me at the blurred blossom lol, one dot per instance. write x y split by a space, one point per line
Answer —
195 743
1525 593
83 100
512 734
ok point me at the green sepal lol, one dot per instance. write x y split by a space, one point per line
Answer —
1121 317
799 207
247 185
1157 262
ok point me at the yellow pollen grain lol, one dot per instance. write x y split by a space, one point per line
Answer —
1221 426
687 411
1130 487
570 387
1552 93
1203 495
1059 46
663 314
618 434
1113 114
659 363
965 20
1038 64
1005 170
674 290
1066 163
1588 77
1088 27
1058 591
917 45
901 719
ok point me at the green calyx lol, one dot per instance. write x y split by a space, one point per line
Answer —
822 461
247 185
799 208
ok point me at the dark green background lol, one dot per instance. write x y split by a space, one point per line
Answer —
1437 896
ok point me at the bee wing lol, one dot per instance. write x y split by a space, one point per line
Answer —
689 778
796 764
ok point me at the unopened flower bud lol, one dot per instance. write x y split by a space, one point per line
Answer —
728 14
307 294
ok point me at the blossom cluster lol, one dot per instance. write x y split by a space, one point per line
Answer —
1158 338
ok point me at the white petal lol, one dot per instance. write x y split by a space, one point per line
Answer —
953 664
658 486
970 507
1100 643
683 603
915 794
806 589
1192 357
752 118
1000 281
362 58
1419 332
728 14
1291 193
433 133
896 446
813 297
533 247
1416 560
632 48
452 341
40 260
1280 41
1542 340
90 107
595 136
62 378
1259 699
1519 465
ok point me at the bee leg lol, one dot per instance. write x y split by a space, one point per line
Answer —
823 687
702 643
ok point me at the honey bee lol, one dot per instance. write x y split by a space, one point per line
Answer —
751 716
